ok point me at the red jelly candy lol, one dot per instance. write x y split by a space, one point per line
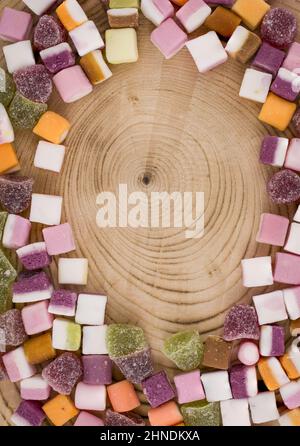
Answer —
15 193
34 83
63 373
48 32
279 27
12 328
284 187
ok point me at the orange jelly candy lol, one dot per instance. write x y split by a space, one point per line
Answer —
223 21
39 349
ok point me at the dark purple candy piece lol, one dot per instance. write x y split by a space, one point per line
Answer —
15 193
269 59
238 376
278 346
97 369
284 88
36 260
31 282
12 328
31 412
63 373
136 366
296 122
268 149
48 32
158 389
3 374
123 419
284 187
279 27
63 298
59 60
241 323
34 83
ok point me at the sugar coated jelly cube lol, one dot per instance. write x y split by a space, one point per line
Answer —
17 366
52 127
34 83
32 288
272 229
279 27
87 419
63 373
36 318
255 85
60 410
97 369
189 387
166 415
241 323
123 419
292 60
28 413
94 338
7 88
290 418
292 157
207 51
123 18
6 130
48 32
12 328
86 38
290 393
39 349
136 366
3 219
235 412
193 14
95 67
71 14
35 388
39 7
201 413
292 301
287 268
72 84
8 157
223 21
185 349
16 232
5 298
90 309
263 407
158 389
273 151
63 302
7 271
90 397
168 38
73 271
270 307
271 342
58 57
18 55
284 187
272 373
217 353
157 11
122 396
123 339
15 25
242 44
216 386
46 209
15 193
34 256
248 353
66 335
257 271
49 156
277 112
24 113
59 239
296 122
121 45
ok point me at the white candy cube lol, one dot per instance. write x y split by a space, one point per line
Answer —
35 388
293 241
94 342
49 156
237 40
39 6
73 271
263 407
66 335
255 85
270 307
46 209
90 309
292 301
235 412
18 55
90 397
257 271
156 11
297 215
6 129
207 51
216 386
86 38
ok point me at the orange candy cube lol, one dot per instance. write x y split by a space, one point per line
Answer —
223 21
122 396
39 349
272 373
167 414
252 12
60 410
8 158
277 112
52 127
71 14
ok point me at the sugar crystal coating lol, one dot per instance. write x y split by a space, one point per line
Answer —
158 389
24 113
123 339
11 325
201 413
279 27
34 83
63 373
3 218
97 369
185 349
7 88
296 122
241 323
15 193
123 419
136 366
7 274
48 32
284 187
3 374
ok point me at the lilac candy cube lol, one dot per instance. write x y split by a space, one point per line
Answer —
34 388
136 366
243 381
16 365
32 288
15 25
123 419
48 32
63 373
158 389
292 60
29 413
12 329
272 229
271 342
58 57
286 84
189 387
273 150
16 232
168 38
63 302
268 58
241 323
97 369
34 256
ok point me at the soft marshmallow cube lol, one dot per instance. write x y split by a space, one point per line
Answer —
71 14
292 60
73 271
272 229
94 340
66 335
86 38
193 14
263 407
16 232
243 381
95 67
40 6
35 388
46 209
157 10
248 353
121 45
290 393
235 412
58 57
168 38
90 309
293 241
32 288
270 307
6 129
255 85
216 386
273 150
90 397
207 51
189 387
63 302
242 44
15 25
290 361
87 419
36 318
72 84
257 271
272 373
17 366
286 84
287 267
59 239
290 418
34 256
18 55
28 413
292 301
271 342
293 155
49 156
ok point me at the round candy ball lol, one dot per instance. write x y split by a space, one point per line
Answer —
284 187
248 353
279 27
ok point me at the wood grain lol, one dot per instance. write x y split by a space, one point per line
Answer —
161 126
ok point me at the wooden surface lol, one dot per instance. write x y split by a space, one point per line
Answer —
161 126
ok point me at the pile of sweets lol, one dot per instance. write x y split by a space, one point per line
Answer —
55 340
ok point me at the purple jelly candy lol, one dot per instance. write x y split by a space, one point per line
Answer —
58 57
241 323
63 302
3 374
296 122
158 389
268 59
279 27
63 373
123 419
243 381
284 187
136 366
48 32
29 283
29 413
34 83
15 193
12 331
97 369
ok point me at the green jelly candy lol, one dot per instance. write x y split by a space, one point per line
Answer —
7 88
123 339
201 413
24 114
3 217
5 299
7 273
116 4
185 349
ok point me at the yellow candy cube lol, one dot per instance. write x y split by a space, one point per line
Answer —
252 12
277 112
121 45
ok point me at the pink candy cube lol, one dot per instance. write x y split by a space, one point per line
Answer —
15 25
36 318
16 232
17 366
59 239
168 38
257 271
87 419
35 388
90 397
272 229
287 268
193 14
189 387
270 307
72 84
292 301
292 60
292 160
290 393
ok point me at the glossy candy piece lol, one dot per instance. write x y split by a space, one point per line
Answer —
95 67
7 88
268 58
189 387
32 288
123 339
59 239
217 353
242 44
201 413
63 302
15 25
15 193
284 187
63 373
136 366
123 419
279 27
24 113
48 32
60 410
34 256
185 349
34 388
243 381
252 13
28 413
58 57
97 369
36 318
34 83
241 323
66 335
122 396
12 328
158 389
223 21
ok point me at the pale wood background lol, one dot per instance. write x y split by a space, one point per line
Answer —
185 132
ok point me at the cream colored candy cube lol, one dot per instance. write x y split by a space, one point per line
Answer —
255 85
46 209
73 271
121 45
49 156
94 340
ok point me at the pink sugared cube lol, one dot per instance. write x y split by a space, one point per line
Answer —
193 14
292 60
89 397
16 232
292 301
189 387
72 84
87 419
36 318
35 388
292 160
17 366
287 268
168 38
272 229
59 239
15 25
207 51
270 307
257 271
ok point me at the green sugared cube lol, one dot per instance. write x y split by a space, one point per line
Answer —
185 349
23 113
123 339
7 88
3 217
7 272
5 299
201 413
